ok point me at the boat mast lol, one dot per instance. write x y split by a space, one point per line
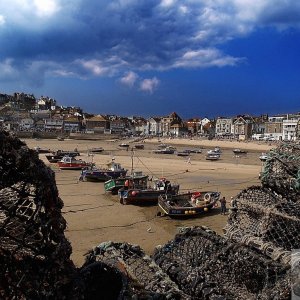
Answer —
132 153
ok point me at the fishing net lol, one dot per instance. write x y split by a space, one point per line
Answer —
207 266
139 268
32 241
282 171
252 261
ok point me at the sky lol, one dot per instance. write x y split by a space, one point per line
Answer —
152 57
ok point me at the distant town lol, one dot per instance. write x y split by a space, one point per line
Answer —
22 112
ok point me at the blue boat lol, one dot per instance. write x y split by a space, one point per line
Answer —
113 170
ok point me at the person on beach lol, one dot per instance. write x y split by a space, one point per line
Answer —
189 160
223 205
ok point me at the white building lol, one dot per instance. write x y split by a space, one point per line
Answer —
223 126
289 129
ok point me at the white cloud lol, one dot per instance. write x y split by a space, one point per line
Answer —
167 3
46 8
149 85
2 20
210 57
94 66
129 79
7 69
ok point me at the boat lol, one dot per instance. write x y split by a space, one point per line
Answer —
183 153
71 163
40 150
114 184
216 150
212 156
96 150
195 150
139 146
60 138
147 195
124 145
188 204
56 156
263 157
239 151
167 150
93 173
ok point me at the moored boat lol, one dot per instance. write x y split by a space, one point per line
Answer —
239 151
167 150
139 146
56 156
138 180
71 163
93 173
124 145
263 157
212 156
96 150
188 204
147 195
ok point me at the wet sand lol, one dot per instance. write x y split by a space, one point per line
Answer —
94 217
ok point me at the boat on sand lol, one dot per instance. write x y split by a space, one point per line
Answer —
147 195
71 163
188 204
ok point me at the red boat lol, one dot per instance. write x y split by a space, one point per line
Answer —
71 163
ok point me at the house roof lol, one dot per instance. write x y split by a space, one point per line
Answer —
97 118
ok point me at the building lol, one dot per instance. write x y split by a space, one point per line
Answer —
193 125
96 124
223 126
243 127
72 124
274 127
289 129
172 120
154 126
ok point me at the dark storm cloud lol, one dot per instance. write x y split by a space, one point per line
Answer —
108 38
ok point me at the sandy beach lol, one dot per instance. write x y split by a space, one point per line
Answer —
94 216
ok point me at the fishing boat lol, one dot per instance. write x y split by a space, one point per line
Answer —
138 180
188 204
56 156
239 151
93 173
124 145
183 153
195 150
213 156
263 157
40 150
139 146
147 195
71 163
216 150
167 150
96 150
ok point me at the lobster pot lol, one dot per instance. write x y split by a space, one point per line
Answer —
141 271
266 220
34 252
282 170
207 266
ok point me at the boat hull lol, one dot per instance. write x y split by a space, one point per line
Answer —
101 176
71 166
144 197
179 206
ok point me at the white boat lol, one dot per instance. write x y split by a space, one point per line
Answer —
263 157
